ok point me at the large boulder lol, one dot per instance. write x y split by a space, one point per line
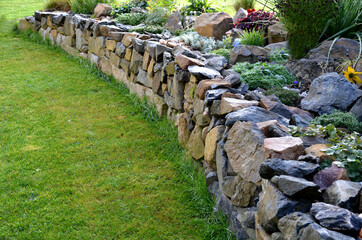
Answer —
213 24
102 10
328 93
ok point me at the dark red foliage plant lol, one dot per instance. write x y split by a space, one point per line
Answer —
256 20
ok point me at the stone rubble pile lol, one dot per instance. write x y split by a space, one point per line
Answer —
265 181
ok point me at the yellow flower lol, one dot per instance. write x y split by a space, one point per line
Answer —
351 76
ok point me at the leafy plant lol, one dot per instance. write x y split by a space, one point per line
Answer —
159 17
127 7
279 55
131 18
339 119
288 97
196 7
199 42
246 4
305 21
225 52
348 153
58 5
86 6
256 20
149 28
264 75
155 5
347 20
253 37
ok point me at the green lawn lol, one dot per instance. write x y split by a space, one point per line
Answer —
79 160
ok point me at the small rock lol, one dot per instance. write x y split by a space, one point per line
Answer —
215 94
233 79
196 144
184 62
202 73
328 176
310 141
211 178
232 104
284 147
206 85
357 109
211 140
293 223
242 13
317 150
280 109
336 218
318 232
276 167
299 121
296 187
345 194
218 63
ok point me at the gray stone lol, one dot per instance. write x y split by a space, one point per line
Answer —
136 62
299 121
275 130
143 78
215 109
276 46
275 167
277 33
240 15
357 109
336 218
120 50
202 73
328 93
274 205
345 194
296 187
253 114
315 231
211 178
174 23
215 94
292 224
182 75
138 45
280 109
233 79
248 53
218 63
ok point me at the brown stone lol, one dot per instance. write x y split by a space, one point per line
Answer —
183 128
277 33
174 23
232 104
127 39
299 111
170 69
114 59
211 140
264 126
128 55
316 150
54 33
328 176
150 67
288 148
111 45
196 144
49 22
23 25
184 61
205 85
117 36
267 104
102 10
213 24
146 61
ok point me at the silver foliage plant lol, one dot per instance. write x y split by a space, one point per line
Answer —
199 42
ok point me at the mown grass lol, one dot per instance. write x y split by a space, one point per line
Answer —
81 158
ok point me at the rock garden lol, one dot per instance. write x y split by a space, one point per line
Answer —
268 101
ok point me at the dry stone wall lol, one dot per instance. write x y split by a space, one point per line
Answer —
250 159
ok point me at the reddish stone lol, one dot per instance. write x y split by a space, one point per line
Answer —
205 85
184 61
327 177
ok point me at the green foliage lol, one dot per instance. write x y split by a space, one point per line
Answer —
199 42
155 29
246 4
339 119
347 20
288 97
127 7
329 132
225 52
156 5
348 153
253 37
279 55
264 75
196 7
131 18
86 6
58 5
159 17
305 21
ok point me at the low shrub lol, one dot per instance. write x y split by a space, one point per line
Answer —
131 18
253 37
127 7
196 7
149 28
339 119
288 97
279 55
159 17
305 21
225 52
256 20
246 4
264 75
199 42
86 6
57 5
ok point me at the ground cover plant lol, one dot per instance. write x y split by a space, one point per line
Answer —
82 158
264 75
131 18
288 97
